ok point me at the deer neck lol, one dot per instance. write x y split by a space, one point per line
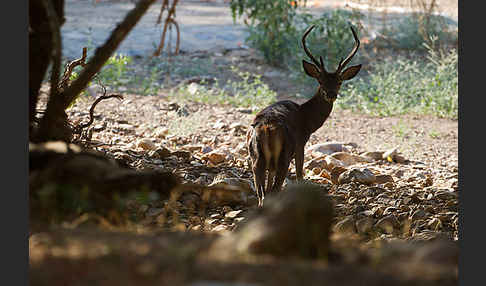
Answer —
314 112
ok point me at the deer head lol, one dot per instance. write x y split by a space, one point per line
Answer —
330 82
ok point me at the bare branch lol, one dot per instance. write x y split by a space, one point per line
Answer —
70 67
104 52
80 127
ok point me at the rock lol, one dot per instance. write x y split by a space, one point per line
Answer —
435 224
193 147
388 155
336 172
161 133
143 208
316 171
186 155
360 175
206 149
382 179
326 148
349 159
220 227
331 163
418 214
346 226
220 125
325 174
393 156
146 144
293 223
154 212
160 153
375 155
214 157
192 88
365 225
319 162
232 214
228 191
387 224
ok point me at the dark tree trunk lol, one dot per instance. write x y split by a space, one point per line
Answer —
40 47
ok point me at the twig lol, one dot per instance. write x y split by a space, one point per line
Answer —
169 20
104 52
70 67
78 129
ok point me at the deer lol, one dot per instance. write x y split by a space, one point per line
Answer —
279 132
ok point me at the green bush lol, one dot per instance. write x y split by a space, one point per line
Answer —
270 24
404 85
412 32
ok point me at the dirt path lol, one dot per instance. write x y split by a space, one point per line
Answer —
205 25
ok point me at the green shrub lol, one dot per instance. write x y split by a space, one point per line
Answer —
404 85
270 24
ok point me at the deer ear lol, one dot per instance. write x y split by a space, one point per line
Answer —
310 69
350 72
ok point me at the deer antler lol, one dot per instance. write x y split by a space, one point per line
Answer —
319 65
343 63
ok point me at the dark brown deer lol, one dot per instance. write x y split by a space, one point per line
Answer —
280 131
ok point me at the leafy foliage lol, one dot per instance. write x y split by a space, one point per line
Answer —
271 25
407 85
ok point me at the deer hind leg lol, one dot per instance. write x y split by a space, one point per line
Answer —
299 163
259 172
281 174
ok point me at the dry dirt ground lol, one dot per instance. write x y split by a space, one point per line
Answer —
378 230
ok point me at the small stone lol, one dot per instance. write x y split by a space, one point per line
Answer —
160 153
146 144
387 224
214 157
161 133
186 155
347 225
360 175
318 162
220 227
418 214
232 214
209 221
332 163
154 212
350 159
382 179
365 225
206 149
316 171
375 155
335 173
327 148
388 155
325 174
216 215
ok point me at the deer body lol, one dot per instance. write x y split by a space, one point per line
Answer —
279 132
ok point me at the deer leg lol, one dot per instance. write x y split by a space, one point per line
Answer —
299 162
259 178
281 174
270 180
